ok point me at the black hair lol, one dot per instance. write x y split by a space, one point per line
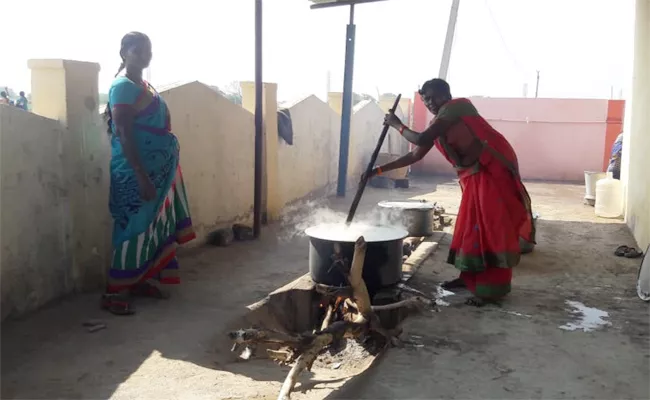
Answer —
129 40
3 94
437 86
22 94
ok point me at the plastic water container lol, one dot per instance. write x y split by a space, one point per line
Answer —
609 197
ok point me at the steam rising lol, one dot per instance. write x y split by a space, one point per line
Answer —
298 217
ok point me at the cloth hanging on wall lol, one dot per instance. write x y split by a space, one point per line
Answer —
285 127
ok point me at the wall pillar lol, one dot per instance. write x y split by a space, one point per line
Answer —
636 141
68 91
271 197
335 101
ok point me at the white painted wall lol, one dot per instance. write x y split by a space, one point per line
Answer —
636 146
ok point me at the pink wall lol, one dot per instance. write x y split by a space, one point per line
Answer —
555 139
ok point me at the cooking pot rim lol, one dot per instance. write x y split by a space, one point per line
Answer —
417 205
397 234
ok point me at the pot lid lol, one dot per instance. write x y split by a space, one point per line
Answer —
407 204
350 233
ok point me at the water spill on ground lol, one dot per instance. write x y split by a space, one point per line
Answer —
440 294
588 318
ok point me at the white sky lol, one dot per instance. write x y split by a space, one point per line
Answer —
581 47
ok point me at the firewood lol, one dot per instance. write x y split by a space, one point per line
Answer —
359 319
359 288
336 331
328 317
406 288
342 291
305 359
283 356
350 304
254 335
413 302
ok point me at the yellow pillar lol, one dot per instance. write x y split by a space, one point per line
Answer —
335 101
405 105
68 91
272 199
385 103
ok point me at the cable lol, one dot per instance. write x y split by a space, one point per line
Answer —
521 68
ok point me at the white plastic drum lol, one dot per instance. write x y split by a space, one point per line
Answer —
609 197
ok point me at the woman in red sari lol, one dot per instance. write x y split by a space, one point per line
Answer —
495 210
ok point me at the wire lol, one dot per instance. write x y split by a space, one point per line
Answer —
521 68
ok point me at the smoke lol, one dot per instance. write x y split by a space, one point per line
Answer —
302 215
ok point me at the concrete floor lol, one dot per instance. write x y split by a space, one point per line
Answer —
515 351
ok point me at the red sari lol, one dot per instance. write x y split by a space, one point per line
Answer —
495 209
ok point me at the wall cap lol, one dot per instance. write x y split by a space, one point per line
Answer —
58 63
266 85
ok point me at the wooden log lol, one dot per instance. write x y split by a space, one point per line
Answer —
328 317
413 302
284 355
359 288
254 335
342 291
322 339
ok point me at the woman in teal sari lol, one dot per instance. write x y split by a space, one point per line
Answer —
147 201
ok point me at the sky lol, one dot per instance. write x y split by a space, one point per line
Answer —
582 48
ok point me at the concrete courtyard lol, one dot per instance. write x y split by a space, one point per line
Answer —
518 350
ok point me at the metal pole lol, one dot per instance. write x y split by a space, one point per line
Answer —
346 106
259 123
537 85
449 40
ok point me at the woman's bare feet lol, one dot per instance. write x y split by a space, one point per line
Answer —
475 301
480 302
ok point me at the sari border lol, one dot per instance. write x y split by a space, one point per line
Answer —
186 234
166 256
480 262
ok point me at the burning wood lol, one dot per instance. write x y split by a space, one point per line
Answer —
348 314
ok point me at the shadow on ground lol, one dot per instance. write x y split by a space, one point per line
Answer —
176 348
50 355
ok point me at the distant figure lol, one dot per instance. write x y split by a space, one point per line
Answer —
22 101
4 99
615 158
147 197
495 209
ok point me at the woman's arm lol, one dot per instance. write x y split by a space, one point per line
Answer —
123 118
408 159
122 97
426 138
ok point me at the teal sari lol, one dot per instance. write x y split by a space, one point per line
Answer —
145 234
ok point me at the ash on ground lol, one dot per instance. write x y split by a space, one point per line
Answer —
349 354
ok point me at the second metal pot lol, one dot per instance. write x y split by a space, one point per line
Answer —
416 216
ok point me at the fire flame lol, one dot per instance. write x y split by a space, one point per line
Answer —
326 302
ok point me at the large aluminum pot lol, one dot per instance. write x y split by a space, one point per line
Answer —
415 215
333 244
